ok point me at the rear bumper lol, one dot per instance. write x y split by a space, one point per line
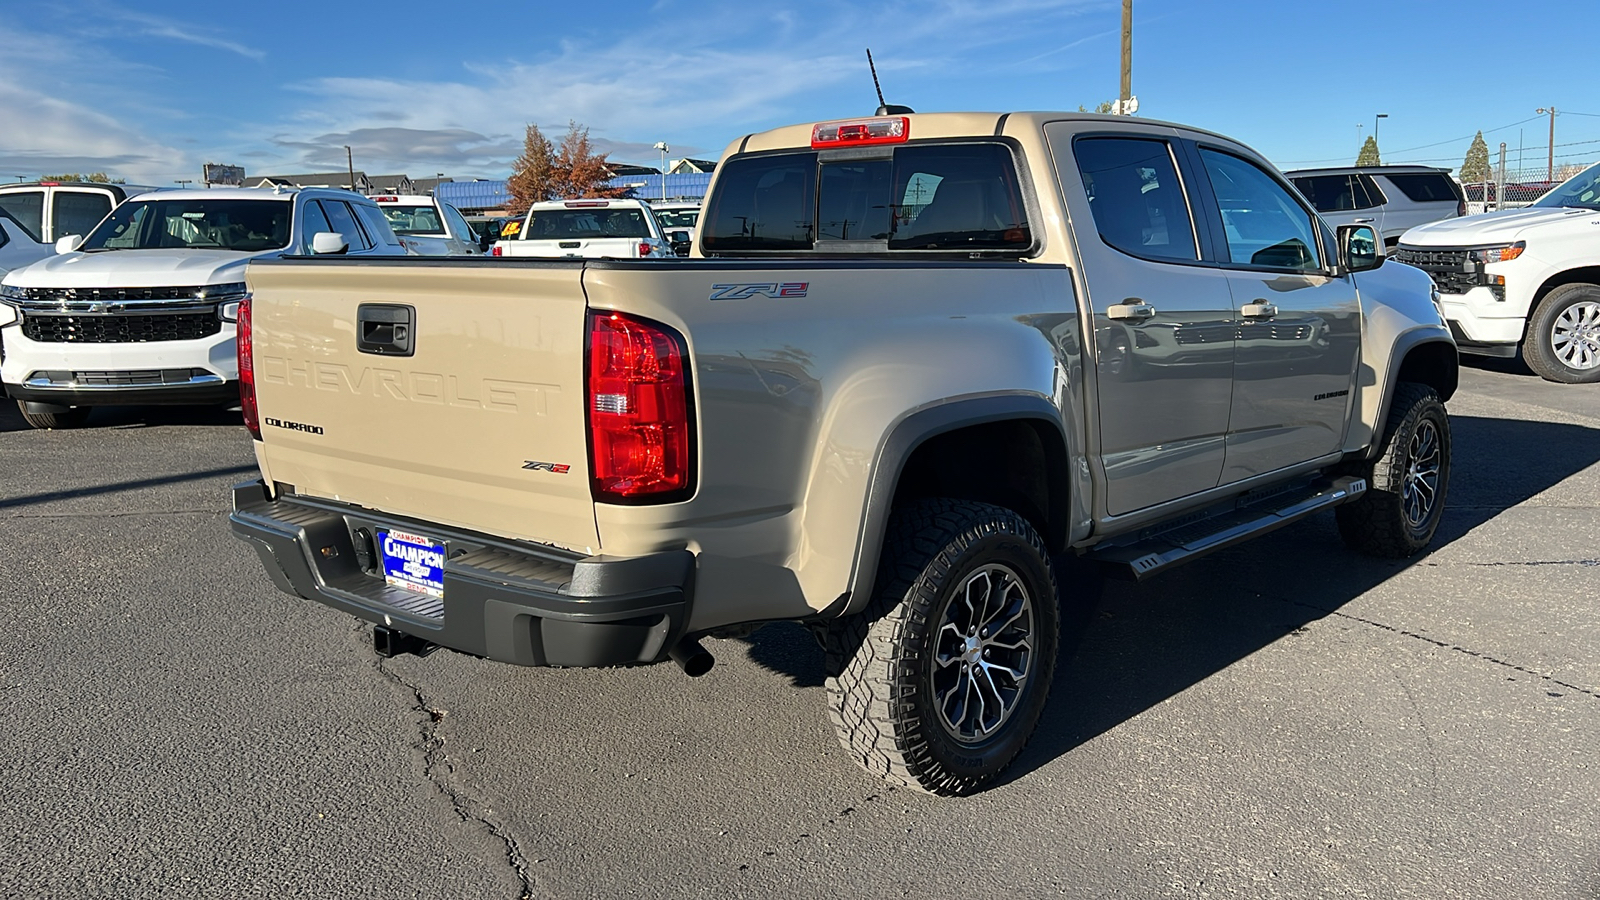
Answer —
509 601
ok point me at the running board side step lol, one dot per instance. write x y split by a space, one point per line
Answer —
1160 548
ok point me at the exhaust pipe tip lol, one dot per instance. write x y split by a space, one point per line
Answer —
691 657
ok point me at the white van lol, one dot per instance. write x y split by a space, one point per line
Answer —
48 210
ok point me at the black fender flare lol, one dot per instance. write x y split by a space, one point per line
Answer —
898 443
1408 341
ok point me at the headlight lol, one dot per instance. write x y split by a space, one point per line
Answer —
1499 254
222 291
229 311
12 292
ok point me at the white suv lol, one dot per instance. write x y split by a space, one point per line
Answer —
1389 198
142 310
614 229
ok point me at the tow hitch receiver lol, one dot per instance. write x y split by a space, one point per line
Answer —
389 643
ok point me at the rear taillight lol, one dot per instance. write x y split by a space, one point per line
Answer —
495 250
640 436
247 370
1461 207
644 249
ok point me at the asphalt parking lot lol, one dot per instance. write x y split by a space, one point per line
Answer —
1283 719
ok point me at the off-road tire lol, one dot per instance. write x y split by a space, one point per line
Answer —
1575 309
1386 520
882 662
68 417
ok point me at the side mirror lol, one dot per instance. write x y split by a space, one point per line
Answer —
328 242
1360 249
68 243
485 240
680 241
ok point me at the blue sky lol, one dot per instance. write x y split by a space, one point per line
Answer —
150 91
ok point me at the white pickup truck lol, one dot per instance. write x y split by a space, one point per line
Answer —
143 309
589 229
1522 279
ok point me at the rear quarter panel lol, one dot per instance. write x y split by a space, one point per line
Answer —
797 394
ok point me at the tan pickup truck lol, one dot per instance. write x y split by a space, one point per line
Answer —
915 363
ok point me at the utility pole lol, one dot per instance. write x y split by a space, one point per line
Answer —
1125 96
183 182
1550 172
350 160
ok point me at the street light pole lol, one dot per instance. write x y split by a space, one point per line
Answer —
1375 135
181 182
1550 173
662 146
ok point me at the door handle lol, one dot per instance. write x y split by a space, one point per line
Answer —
1260 309
386 329
1131 308
1367 221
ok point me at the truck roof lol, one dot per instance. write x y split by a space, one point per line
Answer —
941 125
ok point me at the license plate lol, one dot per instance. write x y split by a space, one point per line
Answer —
413 562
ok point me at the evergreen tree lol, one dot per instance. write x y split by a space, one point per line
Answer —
1475 168
1369 153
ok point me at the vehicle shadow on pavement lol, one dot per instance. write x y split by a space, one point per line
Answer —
1140 644
132 417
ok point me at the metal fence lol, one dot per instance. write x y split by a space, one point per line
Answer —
1507 188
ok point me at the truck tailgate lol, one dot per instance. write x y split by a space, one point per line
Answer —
481 426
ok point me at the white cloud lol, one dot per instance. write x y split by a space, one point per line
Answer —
671 80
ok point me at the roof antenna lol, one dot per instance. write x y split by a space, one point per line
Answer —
884 109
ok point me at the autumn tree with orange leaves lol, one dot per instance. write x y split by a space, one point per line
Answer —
547 172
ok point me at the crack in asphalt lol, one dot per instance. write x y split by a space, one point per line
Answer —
436 764
1445 645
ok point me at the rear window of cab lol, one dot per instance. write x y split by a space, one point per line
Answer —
960 197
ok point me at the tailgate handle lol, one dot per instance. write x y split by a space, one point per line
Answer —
570 245
387 329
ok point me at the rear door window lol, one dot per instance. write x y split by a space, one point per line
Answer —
27 208
78 212
1336 193
1138 203
1427 187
